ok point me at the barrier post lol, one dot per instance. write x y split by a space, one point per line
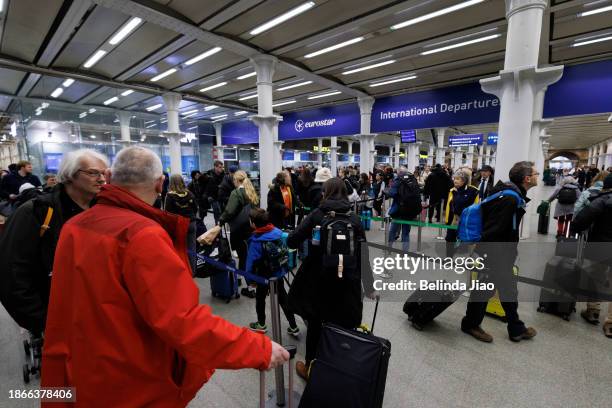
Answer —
420 232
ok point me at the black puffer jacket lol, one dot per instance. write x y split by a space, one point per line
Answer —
437 185
597 216
26 258
330 299
183 204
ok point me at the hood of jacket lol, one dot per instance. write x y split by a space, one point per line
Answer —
341 206
605 195
113 195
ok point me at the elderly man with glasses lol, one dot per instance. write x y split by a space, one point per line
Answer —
27 246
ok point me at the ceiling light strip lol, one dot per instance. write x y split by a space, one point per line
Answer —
324 95
125 31
379 64
461 44
284 88
283 17
334 47
435 14
392 81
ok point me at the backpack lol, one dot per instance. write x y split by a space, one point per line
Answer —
275 257
567 195
408 198
339 245
470 223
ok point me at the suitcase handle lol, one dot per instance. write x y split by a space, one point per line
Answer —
375 313
292 350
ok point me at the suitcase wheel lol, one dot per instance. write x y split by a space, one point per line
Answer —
228 300
417 326
26 374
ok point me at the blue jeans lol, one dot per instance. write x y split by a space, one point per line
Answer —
394 234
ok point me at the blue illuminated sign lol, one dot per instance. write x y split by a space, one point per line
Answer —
408 136
321 122
465 140
288 155
492 138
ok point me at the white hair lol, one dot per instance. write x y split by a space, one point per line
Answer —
136 165
72 162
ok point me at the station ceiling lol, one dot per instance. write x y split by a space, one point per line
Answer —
202 49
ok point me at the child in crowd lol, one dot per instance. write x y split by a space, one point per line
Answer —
267 257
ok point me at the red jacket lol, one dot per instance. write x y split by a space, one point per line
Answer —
124 325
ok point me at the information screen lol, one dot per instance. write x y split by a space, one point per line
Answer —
465 140
230 154
408 136
288 155
492 138
52 162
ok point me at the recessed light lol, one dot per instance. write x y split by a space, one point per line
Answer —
57 92
392 81
282 18
110 100
190 112
92 110
200 57
380 64
596 11
211 107
245 76
435 14
154 107
126 93
219 116
97 56
283 103
239 113
461 44
244 98
68 82
294 85
208 88
163 75
587 42
334 47
324 95
92 136
44 105
125 30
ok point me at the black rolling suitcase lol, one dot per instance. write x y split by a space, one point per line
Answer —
349 371
543 217
424 305
561 278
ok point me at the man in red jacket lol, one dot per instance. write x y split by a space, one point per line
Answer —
124 326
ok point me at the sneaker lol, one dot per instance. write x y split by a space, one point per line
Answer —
590 315
607 329
293 331
248 292
257 327
478 334
529 333
301 370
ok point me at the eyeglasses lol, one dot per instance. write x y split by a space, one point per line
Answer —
93 173
535 174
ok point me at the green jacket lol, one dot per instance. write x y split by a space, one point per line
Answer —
236 201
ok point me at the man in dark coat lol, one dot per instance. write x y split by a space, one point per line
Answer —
9 187
215 177
499 247
437 186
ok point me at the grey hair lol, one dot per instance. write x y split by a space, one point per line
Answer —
136 165
72 161
402 171
568 180
462 175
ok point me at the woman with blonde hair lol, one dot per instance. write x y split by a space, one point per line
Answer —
180 201
239 204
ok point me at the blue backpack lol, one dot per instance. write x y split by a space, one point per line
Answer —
470 223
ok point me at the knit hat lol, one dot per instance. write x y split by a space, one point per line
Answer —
607 182
24 187
322 175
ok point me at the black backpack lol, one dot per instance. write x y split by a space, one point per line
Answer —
275 258
408 198
339 245
567 196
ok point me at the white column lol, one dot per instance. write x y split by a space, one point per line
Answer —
480 154
396 152
469 157
333 154
366 139
218 140
412 156
172 101
441 153
320 154
349 146
430 155
266 121
277 153
457 158
124 125
602 155
608 162
487 158
493 159
519 81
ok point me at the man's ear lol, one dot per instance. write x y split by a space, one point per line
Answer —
107 176
159 184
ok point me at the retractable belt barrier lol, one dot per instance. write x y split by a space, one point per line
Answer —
228 268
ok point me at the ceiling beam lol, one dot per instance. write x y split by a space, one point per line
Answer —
152 12
9 63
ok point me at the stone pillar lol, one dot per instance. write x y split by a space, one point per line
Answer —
441 151
172 101
366 139
218 140
396 152
349 146
480 154
519 81
469 157
124 125
430 155
608 162
333 154
277 153
412 156
266 121
457 158
320 154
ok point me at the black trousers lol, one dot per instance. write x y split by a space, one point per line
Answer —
437 207
260 303
506 284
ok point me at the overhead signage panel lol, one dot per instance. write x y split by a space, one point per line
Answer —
408 136
453 106
340 120
492 138
465 140
239 132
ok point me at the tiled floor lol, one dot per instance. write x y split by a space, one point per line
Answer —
569 364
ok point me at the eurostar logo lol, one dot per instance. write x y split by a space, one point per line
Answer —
299 125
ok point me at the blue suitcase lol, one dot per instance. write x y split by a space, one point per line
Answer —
224 284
